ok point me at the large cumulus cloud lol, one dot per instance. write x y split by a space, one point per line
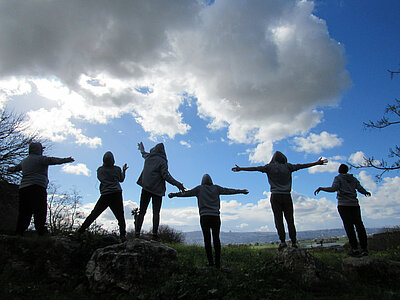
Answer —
260 68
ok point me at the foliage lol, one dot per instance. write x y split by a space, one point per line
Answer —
14 142
62 209
390 117
167 234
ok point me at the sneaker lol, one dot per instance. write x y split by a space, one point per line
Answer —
137 235
122 238
155 237
364 252
282 245
295 245
354 253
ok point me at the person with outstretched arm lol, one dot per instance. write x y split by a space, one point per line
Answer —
33 188
152 180
110 177
346 186
209 205
279 173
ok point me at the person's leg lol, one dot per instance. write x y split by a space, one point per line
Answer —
156 203
24 210
346 216
289 217
100 206
205 228
278 216
144 203
40 209
117 207
361 232
216 227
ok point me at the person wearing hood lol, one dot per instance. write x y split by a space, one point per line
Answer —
32 189
346 186
110 177
152 180
208 202
279 173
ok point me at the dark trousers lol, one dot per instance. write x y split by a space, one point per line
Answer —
282 205
115 203
351 216
213 224
144 203
32 201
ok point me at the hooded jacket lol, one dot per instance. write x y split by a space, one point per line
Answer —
109 175
207 195
279 173
35 166
155 171
346 186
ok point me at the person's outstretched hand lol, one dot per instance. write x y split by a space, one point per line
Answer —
236 168
171 195
141 147
245 192
322 161
317 191
125 167
181 187
70 159
367 194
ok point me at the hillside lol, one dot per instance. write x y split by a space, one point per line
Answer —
235 238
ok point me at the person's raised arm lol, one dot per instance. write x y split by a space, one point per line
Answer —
187 193
123 173
57 160
321 161
142 151
228 191
237 168
325 189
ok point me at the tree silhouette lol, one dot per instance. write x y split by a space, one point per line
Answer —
391 117
14 142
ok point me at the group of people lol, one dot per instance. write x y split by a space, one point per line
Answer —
153 178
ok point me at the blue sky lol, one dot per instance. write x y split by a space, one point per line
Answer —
220 84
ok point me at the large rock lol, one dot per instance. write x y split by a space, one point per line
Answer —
308 271
373 270
130 265
9 204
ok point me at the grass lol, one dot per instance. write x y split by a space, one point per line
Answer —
247 273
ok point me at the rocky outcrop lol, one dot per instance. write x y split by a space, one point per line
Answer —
130 265
373 270
308 271
9 204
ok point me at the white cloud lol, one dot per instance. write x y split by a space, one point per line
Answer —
186 144
259 68
316 143
357 158
78 169
367 181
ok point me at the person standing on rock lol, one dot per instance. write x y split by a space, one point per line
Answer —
208 202
152 180
32 189
279 173
110 177
346 186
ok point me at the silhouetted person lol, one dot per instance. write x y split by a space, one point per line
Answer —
208 202
110 177
152 180
346 186
279 173
32 189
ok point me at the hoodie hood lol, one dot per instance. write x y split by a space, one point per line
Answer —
36 148
279 158
159 151
348 177
108 159
206 180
